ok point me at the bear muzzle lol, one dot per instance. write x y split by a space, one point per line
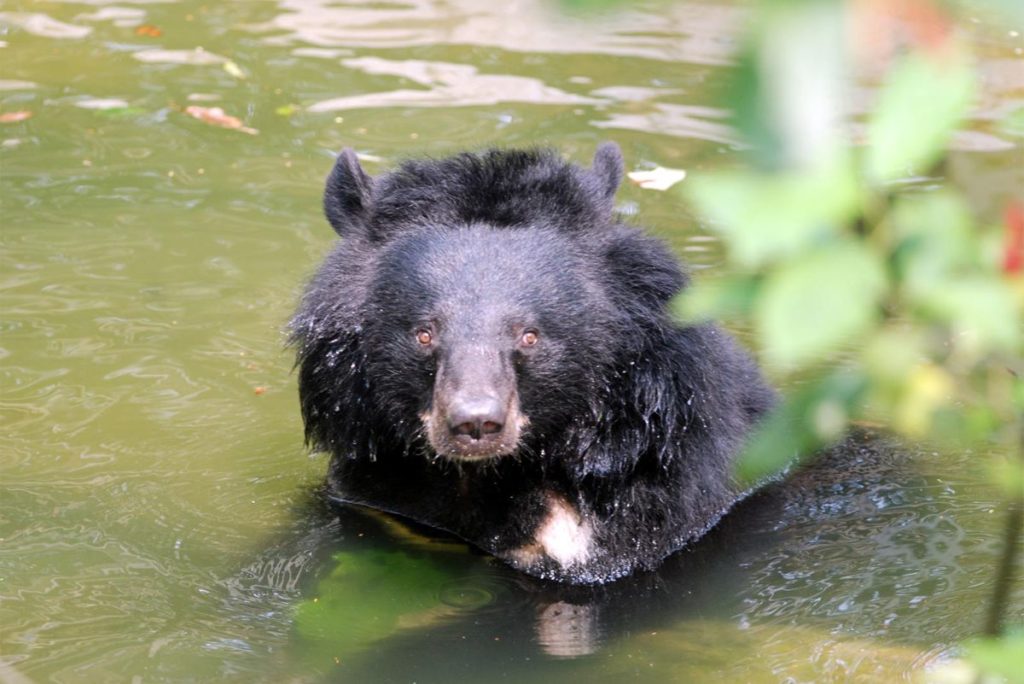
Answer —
474 411
474 427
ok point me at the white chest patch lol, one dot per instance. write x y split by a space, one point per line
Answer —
564 535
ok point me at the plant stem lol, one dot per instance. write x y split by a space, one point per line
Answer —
1011 544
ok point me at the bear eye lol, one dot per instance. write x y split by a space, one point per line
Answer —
424 337
529 338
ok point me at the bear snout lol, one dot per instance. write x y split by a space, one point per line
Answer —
476 418
473 427
474 412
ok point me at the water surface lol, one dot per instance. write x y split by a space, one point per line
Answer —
158 520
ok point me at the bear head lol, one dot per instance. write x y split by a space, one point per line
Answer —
476 307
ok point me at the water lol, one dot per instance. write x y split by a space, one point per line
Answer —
158 516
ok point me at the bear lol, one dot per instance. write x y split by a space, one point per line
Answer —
488 350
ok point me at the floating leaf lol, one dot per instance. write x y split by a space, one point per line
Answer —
287 110
233 69
148 30
816 304
658 178
215 116
919 107
118 112
15 117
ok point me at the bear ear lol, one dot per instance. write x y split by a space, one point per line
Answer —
608 168
348 196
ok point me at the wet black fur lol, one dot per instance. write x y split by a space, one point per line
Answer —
633 419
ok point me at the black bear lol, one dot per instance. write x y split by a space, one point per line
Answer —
487 350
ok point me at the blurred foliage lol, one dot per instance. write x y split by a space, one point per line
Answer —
871 283
858 264
1002 658
852 264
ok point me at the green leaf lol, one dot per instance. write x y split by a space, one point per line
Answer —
723 298
919 107
908 391
819 303
981 310
767 217
1003 656
1008 474
935 237
928 389
813 416
121 112
745 100
785 93
892 353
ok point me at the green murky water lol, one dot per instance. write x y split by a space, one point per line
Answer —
157 521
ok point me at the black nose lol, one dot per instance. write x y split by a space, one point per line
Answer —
476 417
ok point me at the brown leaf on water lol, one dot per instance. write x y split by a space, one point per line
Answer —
215 116
149 31
15 117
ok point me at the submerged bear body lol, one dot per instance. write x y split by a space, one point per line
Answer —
487 351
